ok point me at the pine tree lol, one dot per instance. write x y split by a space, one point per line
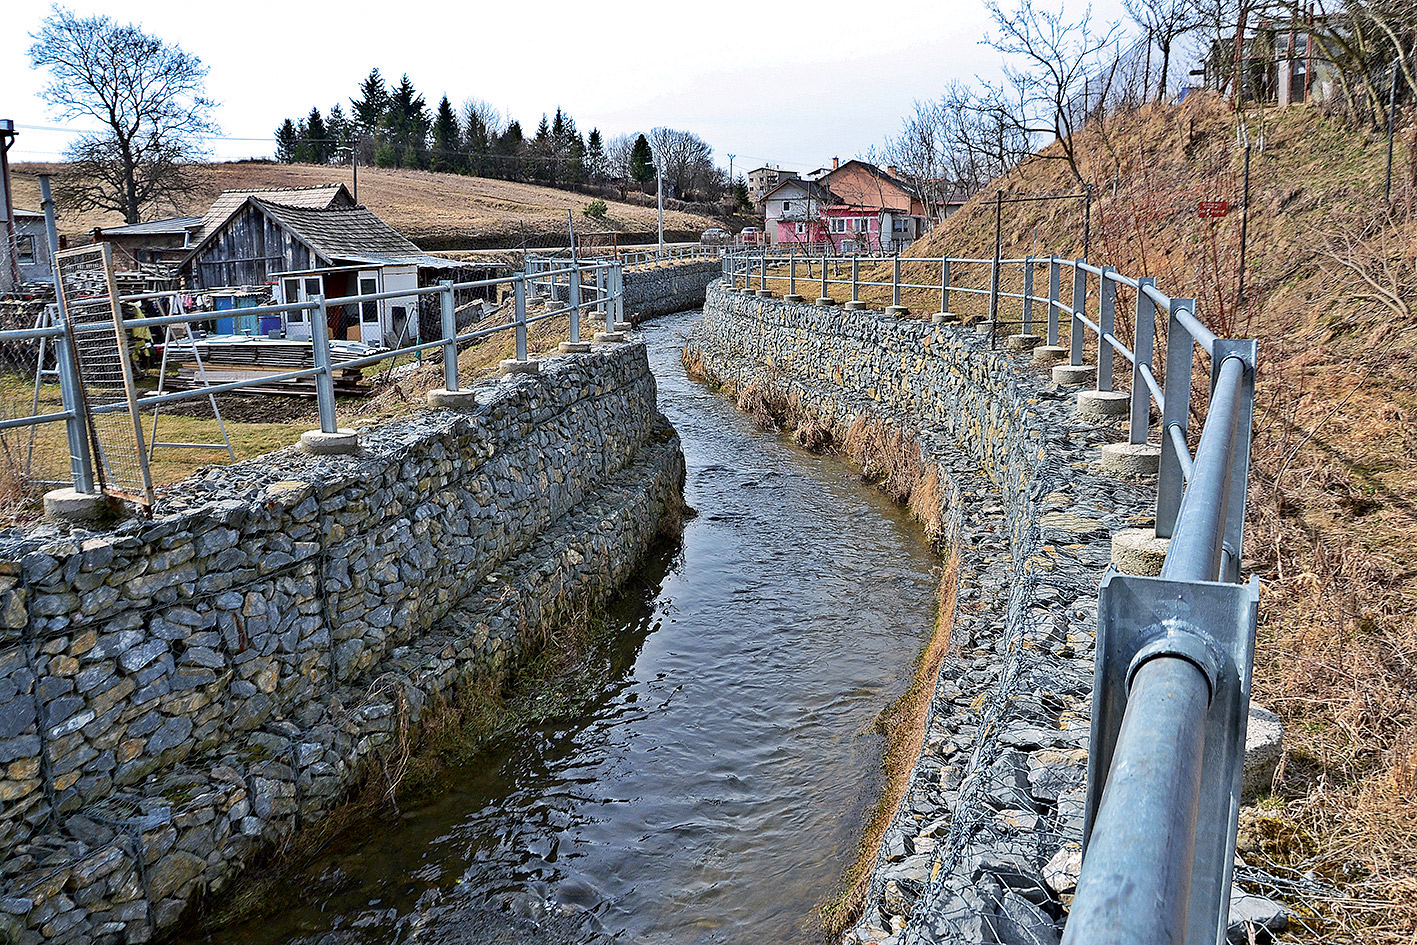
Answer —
303 153
447 141
317 136
477 144
595 163
641 161
575 170
543 148
372 104
407 124
287 139
340 131
511 147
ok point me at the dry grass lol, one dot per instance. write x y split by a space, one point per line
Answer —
902 725
433 210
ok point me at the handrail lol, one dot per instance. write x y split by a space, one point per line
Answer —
1174 652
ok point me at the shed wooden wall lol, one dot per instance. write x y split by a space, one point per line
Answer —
248 250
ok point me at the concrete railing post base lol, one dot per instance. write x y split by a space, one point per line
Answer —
66 505
826 300
1045 356
573 347
555 305
794 297
440 399
1103 404
513 366
765 293
609 337
623 326
320 443
1131 459
855 305
1023 342
1139 551
897 311
1074 375
944 318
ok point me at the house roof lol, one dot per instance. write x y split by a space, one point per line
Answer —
229 201
810 187
28 214
154 227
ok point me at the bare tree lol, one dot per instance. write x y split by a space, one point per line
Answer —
684 159
619 156
147 94
1050 60
1366 40
1165 22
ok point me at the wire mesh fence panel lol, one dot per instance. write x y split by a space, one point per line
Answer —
31 457
108 399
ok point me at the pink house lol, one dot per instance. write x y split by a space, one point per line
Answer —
854 208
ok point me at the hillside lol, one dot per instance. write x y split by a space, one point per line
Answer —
1331 295
436 211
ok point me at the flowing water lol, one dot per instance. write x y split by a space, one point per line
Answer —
713 786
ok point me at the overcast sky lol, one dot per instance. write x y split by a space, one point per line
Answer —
790 84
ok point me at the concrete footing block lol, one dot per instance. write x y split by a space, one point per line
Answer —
1131 459
623 326
1022 342
944 318
573 347
609 337
555 305
826 300
1139 551
855 305
765 293
440 399
1074 375
320 443
897 311
1104 404
1264 743
66 505
1045 356
513 366
794 297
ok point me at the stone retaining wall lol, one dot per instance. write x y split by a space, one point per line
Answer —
653 291
176 694
983 847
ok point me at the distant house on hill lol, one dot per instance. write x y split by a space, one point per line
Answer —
32 252
332 250
852 208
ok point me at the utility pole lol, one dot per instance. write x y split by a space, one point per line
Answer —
10 277
732 188
659 197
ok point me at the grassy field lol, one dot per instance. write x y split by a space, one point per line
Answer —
436 211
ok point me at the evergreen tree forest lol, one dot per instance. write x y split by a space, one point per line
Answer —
391 124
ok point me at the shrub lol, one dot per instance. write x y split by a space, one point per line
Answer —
596 209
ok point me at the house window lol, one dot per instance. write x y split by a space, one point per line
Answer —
25 246
862 225
801 228
786 206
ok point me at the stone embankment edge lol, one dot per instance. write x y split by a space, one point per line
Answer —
282 625
983 845
664 290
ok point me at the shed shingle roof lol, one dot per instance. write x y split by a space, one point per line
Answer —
229 201
342 232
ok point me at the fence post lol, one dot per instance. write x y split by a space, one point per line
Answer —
329 438
824 298
1055 284
792 295
1075 336
450 336
519 300
1027 319
1106 311
896 309
944 285
575 299
1143 340
763 275
76 426
1180 352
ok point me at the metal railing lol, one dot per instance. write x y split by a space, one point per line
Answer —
594 288
1174 652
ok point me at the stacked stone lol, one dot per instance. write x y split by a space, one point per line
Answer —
185 691
663 290
984 846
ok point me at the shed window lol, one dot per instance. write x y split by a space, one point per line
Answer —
25 248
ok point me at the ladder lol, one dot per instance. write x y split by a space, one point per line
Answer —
174 307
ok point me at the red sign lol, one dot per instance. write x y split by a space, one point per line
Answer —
1213 209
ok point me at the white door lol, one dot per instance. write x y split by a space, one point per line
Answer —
371 331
